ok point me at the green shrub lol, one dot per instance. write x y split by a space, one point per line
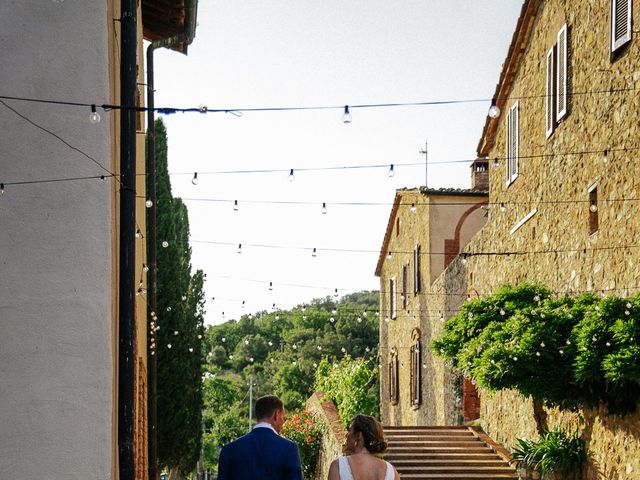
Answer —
554 451
352 385
304 429
567 351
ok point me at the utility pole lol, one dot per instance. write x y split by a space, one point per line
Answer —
425 152
250 403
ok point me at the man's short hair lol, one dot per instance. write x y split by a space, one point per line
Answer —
266 406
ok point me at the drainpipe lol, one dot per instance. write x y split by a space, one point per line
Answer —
152 279
127 260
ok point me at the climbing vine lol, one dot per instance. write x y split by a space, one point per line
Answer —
566 351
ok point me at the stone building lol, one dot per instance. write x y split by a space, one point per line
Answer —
426 230
562 206
59 239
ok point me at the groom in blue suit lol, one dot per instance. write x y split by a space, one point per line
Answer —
262 454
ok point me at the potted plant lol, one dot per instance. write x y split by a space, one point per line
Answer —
554 455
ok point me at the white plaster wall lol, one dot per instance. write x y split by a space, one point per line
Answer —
56 372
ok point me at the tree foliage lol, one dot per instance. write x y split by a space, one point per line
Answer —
566 351
280 352
180 317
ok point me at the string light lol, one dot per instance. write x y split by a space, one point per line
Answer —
194 180
1 188
314 253
413 208
270 285
494 110
235 205
605 156
94 116
138 233
239 248
502 207
496 163
324 208
391 172
165 244
148 203
593 207
292 177
346 116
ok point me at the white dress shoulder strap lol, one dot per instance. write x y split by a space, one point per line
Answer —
390 475
345 469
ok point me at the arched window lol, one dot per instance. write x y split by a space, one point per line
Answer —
393 376
416 371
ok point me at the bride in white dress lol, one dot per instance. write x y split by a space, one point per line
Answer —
365 440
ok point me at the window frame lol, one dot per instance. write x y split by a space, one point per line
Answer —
415 357
562 73
393 377
393 304
404 295
512 143
550 86
616 45
417 281
594 220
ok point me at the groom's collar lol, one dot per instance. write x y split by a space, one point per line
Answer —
265 425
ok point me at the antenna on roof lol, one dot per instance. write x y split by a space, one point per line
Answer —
426 159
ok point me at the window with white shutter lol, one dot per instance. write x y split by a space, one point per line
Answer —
512 143
561 73
620 23
550 103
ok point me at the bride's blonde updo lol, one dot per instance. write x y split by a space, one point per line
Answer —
372 433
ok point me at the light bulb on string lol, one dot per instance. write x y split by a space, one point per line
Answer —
605 156
243 303
138 233
389 255
270 285
165 244
194 180
346 116
494 110
496 163
324 208
314 253
239 248
292 177
502 207
94 116
593 207
235 205
148 203
335 292
1 188
413 208
391 171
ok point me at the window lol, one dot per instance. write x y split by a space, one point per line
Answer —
557 82
405 284
512 144
593 209
393 309
416 373
620 23
416 270
397 227
393 377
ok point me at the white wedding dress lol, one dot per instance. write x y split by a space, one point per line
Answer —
345 470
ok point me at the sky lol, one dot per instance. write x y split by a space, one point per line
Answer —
301 53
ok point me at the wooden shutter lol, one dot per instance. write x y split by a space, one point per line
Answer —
561 74
392 298
550 117
620 23
416 270
405 284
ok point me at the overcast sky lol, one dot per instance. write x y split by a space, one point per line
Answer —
293 53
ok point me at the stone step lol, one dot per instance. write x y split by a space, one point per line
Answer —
440 456
459 476
431 443
454 469
435 462
434 449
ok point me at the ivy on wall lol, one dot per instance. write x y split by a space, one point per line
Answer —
566 351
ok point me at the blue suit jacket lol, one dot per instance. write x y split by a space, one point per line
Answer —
260 455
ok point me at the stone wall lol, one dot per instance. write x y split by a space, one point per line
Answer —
561 251
334 437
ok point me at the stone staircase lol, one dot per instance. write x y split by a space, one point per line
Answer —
456 453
